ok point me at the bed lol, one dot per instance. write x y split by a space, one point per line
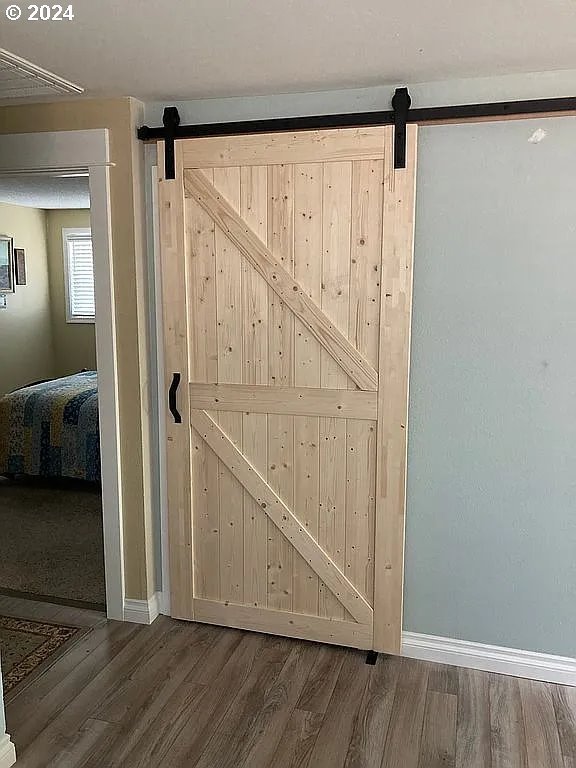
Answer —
50 429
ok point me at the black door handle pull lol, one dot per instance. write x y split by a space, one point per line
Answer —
172 398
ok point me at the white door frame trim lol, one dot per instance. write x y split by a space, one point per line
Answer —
89 150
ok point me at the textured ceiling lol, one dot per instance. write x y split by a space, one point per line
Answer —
45 191
183 49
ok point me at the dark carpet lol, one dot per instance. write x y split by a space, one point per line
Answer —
51 545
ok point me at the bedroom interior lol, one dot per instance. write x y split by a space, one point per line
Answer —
51 549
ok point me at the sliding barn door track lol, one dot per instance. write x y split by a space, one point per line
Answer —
400 114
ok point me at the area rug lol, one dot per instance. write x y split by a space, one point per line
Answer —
51 547
29 647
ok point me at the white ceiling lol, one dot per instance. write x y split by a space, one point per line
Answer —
45 191
183 49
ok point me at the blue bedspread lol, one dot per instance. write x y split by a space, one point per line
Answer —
51 429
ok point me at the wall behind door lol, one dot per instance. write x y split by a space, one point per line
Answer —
26 344
491 533
74 343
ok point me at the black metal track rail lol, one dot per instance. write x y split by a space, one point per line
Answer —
399 117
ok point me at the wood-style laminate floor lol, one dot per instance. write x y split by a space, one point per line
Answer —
178 695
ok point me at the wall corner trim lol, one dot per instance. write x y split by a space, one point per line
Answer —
490 658
7 752
142 611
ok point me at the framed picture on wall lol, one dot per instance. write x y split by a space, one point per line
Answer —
20 265
6 264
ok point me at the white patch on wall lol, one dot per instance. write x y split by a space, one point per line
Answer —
20 78
2 301
538 136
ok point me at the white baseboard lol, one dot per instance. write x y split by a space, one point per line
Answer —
490 658
7 752
164 603
142 611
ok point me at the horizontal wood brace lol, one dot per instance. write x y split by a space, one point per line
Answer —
290 401
287 624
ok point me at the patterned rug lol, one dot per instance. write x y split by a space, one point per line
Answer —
29 647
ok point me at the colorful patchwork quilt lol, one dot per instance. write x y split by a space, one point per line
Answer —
51 429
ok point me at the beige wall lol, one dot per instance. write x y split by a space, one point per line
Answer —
26 343
120 116
74 343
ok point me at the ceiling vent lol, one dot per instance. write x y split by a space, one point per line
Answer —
21 79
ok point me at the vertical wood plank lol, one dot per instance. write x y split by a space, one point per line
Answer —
203 345
473 735
366 256
281 372
507 735
230 369
360 501
175 255
297 741
438 748
371 725
206 520
336 227
307 270
393 369
565 708
542 740
254 209
336 731
405 731
363 331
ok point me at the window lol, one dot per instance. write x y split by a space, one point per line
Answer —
79 275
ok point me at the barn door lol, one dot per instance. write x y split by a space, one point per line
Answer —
287 267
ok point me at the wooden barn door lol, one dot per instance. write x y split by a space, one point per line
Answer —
287 270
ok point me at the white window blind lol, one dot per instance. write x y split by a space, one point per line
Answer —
79 269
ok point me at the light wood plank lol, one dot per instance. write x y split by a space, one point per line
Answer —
307 271
282 517
332 529
360 502
230 369
283 623
293 401
336 227
206 501
393 370
366 257
278 277
284 148
281 373
203 366
173 254
254 210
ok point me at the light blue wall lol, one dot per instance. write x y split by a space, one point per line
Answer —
491 536
491 526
